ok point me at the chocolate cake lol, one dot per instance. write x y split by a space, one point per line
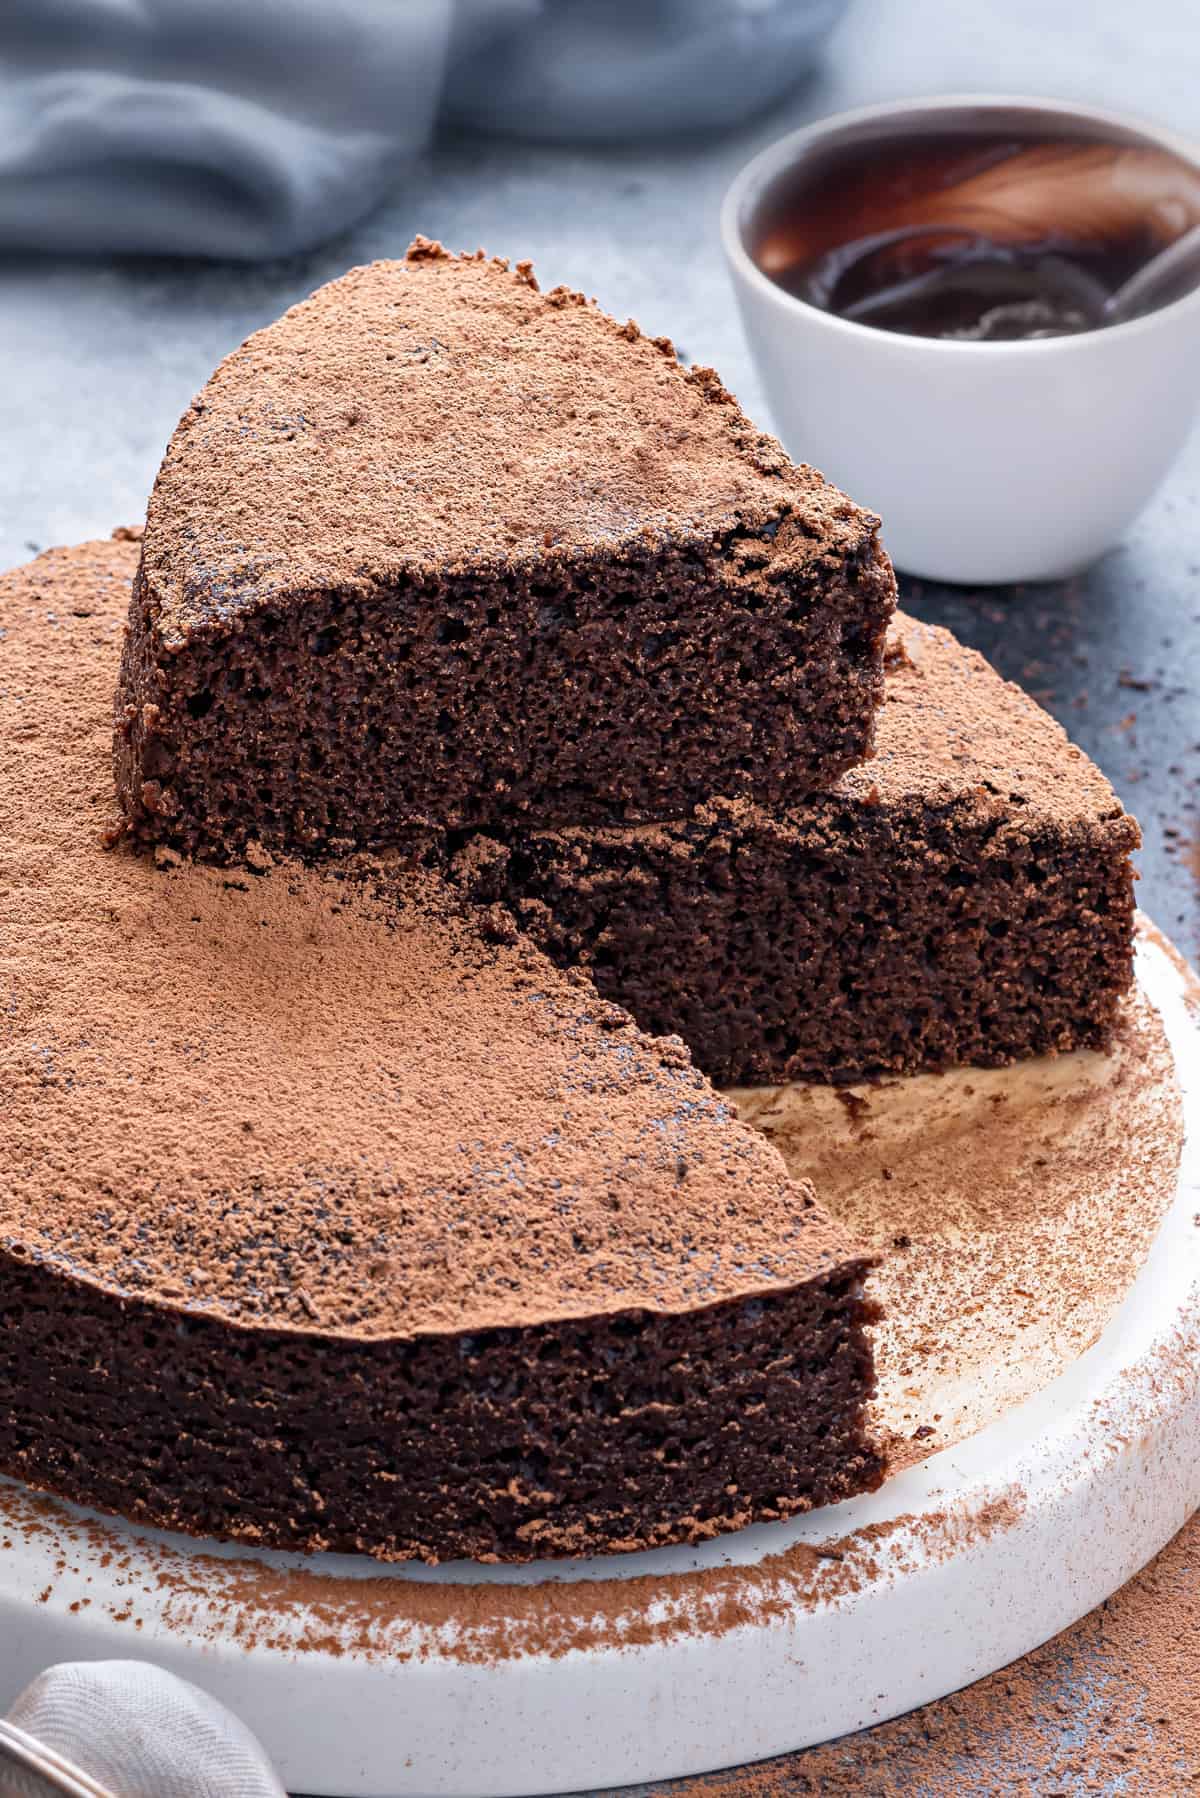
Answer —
439 547
967 896
328 1223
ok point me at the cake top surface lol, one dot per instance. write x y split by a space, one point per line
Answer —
951 731
317 1098
441 414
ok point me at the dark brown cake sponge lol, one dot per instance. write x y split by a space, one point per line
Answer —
327 1223
967 896
437 547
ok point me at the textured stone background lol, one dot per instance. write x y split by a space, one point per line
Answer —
98 359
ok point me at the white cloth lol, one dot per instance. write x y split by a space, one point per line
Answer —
254 128
140 1733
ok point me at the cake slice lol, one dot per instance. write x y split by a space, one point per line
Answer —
439 547
327 1223
965 897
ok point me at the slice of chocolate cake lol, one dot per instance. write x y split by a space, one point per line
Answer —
326 1223
437 546
965 897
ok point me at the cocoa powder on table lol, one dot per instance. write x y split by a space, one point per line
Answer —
1112 1705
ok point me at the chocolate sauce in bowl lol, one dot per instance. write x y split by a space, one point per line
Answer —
977 236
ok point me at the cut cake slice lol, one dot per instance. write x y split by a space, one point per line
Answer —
967 896
437 547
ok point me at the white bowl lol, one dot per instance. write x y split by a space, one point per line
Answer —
988 462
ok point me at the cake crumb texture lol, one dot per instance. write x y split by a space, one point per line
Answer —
965 897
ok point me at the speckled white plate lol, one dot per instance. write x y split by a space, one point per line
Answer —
552 1678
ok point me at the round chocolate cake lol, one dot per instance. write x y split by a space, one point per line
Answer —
327 1223
507 687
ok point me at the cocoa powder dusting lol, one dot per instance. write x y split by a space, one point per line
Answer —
262 1605
1109 1706
955 733
436 413
1011 1209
